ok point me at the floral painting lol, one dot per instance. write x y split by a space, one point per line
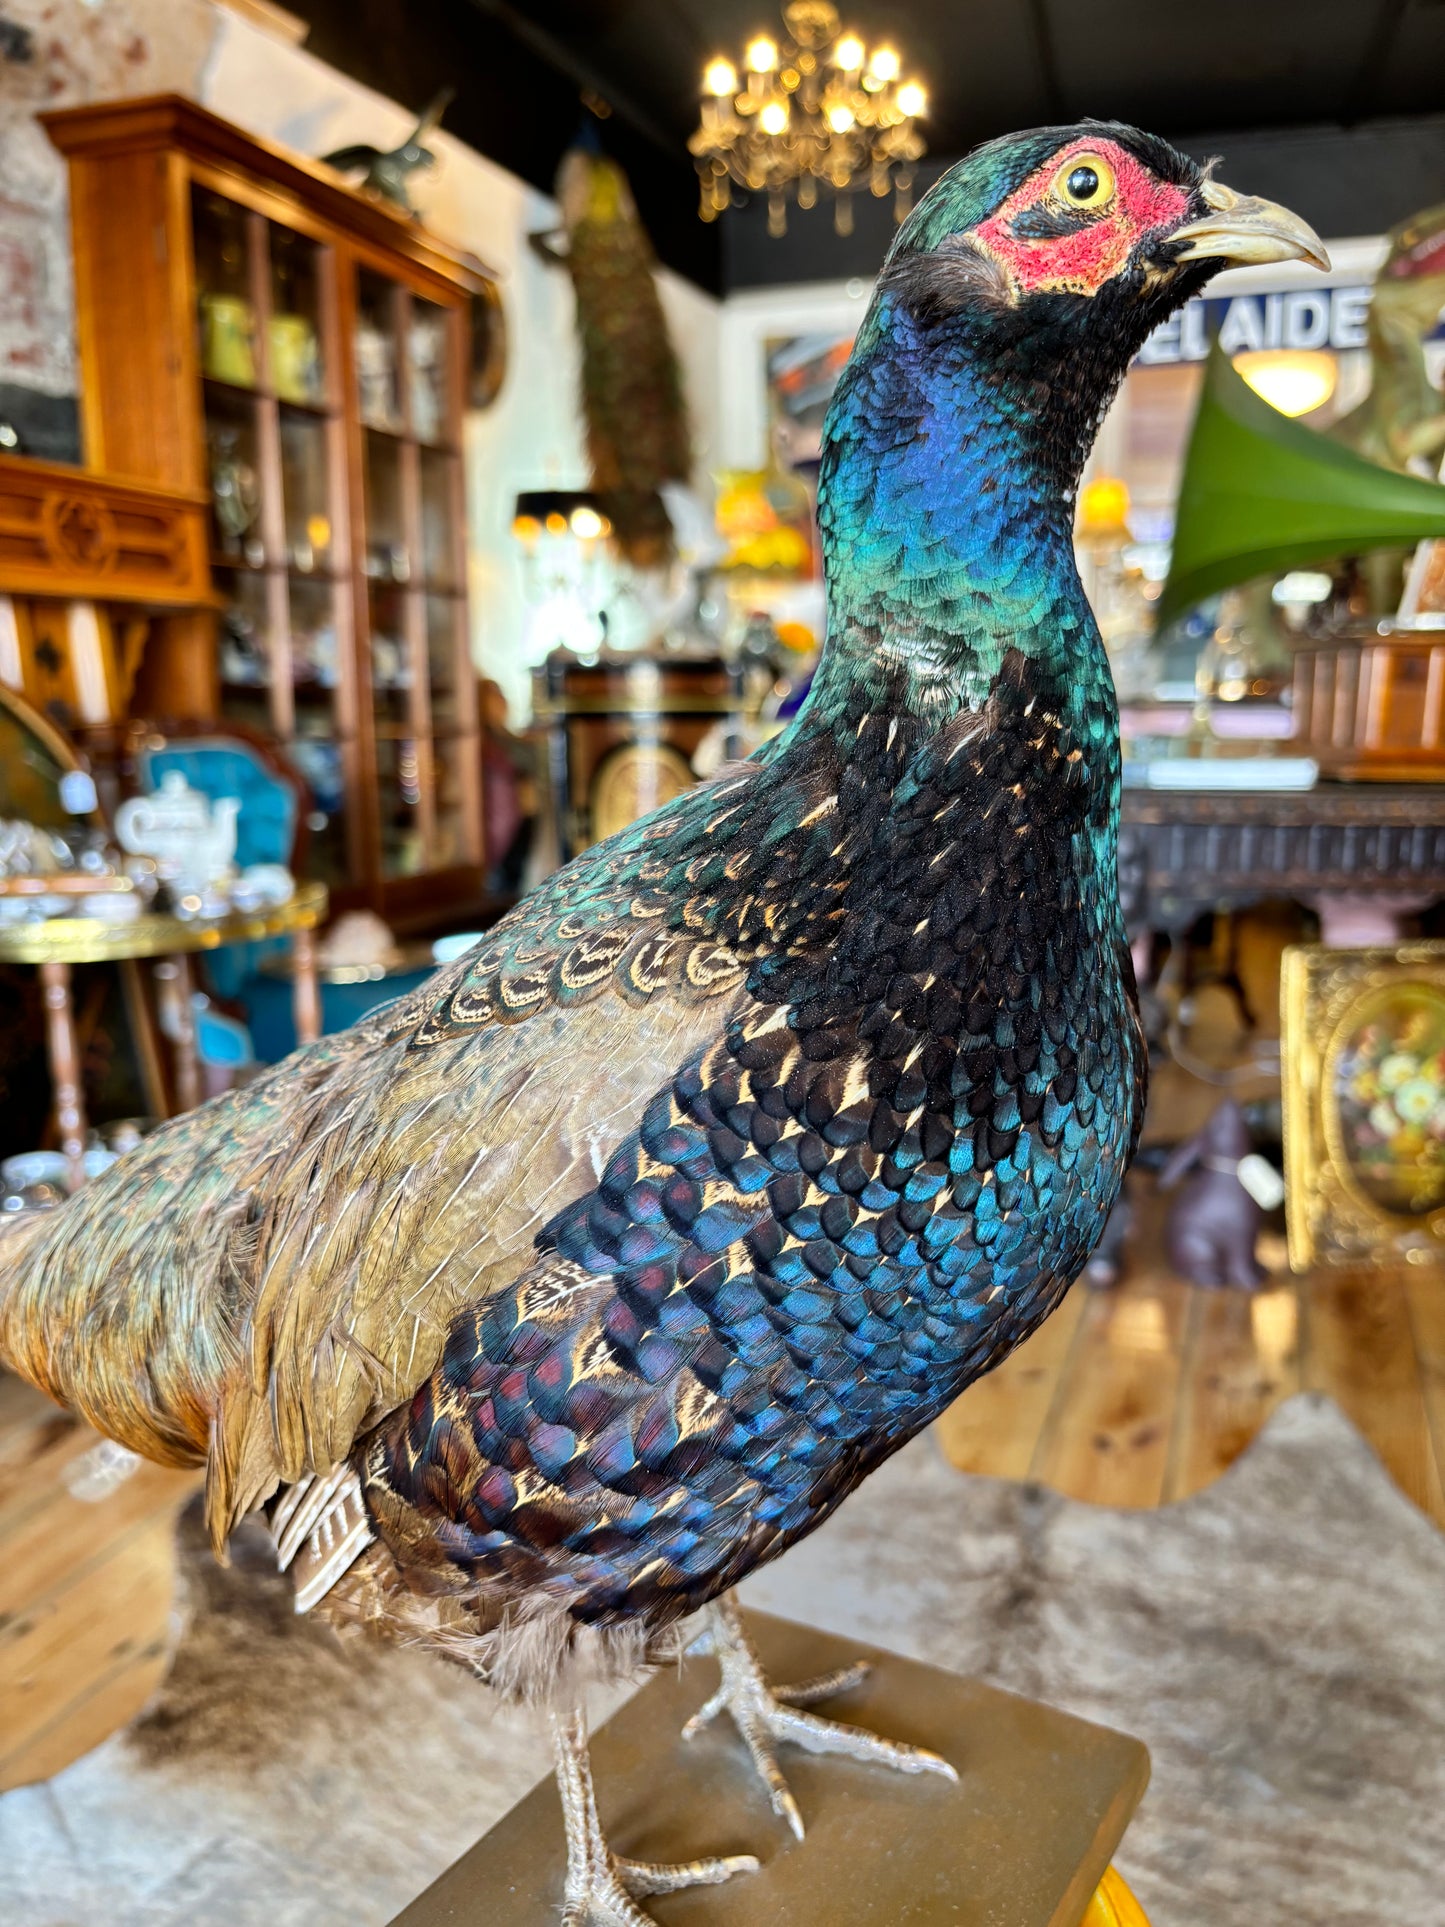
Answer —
1388 1086
1363 1057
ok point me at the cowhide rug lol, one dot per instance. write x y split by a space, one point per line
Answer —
1278 1641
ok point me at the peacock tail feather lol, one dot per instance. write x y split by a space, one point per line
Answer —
632 399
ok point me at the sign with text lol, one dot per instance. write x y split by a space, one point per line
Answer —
1334 318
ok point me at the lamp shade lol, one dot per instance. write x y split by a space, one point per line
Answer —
1262 494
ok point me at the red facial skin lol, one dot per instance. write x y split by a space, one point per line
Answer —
1081 262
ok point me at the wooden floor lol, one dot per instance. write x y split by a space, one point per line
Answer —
1140 1396
1133 1397
87 1574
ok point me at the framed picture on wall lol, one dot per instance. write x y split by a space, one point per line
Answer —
1363 1043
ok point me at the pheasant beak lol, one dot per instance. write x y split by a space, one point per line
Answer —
1245 231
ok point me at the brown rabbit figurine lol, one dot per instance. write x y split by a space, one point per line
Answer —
1211 1228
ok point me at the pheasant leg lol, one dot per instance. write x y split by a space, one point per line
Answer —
602 1887
765 1715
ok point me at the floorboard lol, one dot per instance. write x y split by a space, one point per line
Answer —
1361 1351
1107 1434
1241 1359
87 1583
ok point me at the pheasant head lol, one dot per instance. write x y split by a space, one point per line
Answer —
1008 311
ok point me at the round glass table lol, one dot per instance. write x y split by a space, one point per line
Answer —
55 944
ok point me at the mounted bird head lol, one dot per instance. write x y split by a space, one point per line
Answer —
1006 315
1047 258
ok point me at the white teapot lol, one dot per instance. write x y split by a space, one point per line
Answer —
192 839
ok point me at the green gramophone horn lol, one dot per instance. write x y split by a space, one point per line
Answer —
1262 494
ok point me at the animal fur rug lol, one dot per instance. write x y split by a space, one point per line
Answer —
1278 1641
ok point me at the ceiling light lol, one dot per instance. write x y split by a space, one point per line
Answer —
819 114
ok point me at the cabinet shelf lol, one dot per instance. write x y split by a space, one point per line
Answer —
404 438
244 394
238 565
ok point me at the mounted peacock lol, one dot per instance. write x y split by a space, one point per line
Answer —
632 401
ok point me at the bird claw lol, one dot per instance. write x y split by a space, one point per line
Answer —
767 1715
602 1888
606 1894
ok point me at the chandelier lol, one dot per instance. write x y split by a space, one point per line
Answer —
819 111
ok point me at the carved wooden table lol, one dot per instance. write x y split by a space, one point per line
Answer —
56 944
1186 851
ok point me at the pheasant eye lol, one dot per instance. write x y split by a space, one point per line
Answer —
1086 181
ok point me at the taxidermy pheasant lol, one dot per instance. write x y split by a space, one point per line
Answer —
545 1304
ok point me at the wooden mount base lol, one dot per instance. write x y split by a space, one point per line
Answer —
1023 1840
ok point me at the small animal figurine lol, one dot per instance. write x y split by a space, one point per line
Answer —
1211 1228
386 175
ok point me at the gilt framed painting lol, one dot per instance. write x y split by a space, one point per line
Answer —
1364 1103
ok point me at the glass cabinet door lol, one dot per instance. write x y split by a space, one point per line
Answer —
431 403
251 645
276 449
379 319
422 702
401 792
225 266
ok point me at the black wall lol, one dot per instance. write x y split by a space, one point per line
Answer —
520 84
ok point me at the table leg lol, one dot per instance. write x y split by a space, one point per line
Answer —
64 1052
305 990
175 975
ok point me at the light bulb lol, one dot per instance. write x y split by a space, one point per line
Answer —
774 117
586 523
1294 380
720 79
912 100
885 64
762 54
848 54
841 117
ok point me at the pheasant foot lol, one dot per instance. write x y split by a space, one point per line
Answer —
765 1715
602 1888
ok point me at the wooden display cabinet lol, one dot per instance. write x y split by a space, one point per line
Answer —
250 326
